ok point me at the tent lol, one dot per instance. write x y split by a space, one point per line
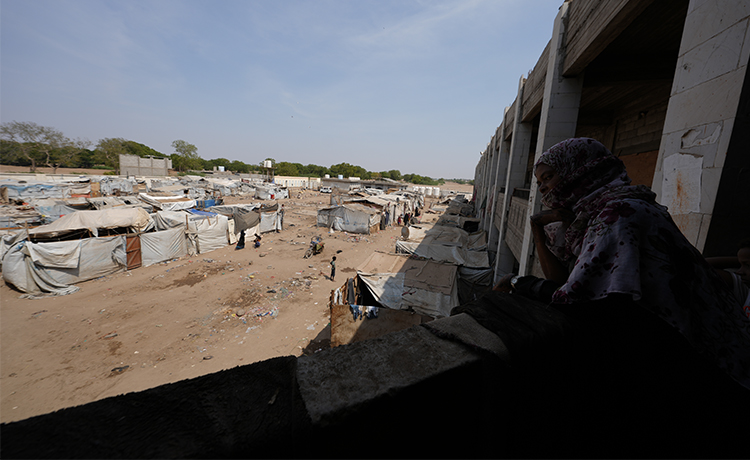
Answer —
135 219
349 217
446 244
44 269
167 203
403 283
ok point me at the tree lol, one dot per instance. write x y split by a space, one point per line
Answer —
240 167
108 151
284 168
68 154
35 143
188 153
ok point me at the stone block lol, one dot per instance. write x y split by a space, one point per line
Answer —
709 102
717 56
708 18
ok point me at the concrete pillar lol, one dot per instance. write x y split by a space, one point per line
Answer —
518 157
698 152
491 183
562 99
501 165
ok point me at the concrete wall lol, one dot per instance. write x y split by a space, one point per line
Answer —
661 85
133 165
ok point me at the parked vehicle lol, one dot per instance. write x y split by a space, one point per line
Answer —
325 189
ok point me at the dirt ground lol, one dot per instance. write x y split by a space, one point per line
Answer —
177 320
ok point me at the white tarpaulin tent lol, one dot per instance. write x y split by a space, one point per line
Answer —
349 217
401 283
165 245
207 233
447 244
136 219
44 269
168 203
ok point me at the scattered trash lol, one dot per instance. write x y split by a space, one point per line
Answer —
36 315
110 335
206 358
120 370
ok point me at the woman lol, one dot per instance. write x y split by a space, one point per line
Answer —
606 239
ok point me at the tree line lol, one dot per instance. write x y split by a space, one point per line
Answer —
32 145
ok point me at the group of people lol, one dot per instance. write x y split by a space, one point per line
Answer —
605 239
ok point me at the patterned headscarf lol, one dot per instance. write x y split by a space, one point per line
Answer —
584 165
590 177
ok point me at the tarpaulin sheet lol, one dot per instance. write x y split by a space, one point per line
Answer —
64 254
351 217
168 203
207 233
244 216
165 245
164 220
451 254
401 283
97 257
133 218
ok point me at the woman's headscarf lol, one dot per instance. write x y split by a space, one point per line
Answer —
590 177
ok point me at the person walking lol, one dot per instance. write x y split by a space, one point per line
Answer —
333 268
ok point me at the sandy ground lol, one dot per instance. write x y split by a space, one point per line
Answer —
172 321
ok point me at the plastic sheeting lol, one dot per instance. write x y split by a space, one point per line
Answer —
244 216
207 233
451 254
353 218
398 282
95 257
165 220
167 203
133 218
161 246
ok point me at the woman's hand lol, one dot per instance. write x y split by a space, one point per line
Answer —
553 215
504 284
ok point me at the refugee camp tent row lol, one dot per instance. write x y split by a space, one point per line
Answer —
83 245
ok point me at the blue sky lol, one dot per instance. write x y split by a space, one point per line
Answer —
413 85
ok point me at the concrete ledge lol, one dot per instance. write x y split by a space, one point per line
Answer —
633 389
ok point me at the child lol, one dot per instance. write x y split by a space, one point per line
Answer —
333 268
257 241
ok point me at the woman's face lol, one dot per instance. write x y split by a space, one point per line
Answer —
546 178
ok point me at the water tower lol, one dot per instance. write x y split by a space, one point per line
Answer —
268 167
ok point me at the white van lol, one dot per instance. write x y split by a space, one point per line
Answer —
325 189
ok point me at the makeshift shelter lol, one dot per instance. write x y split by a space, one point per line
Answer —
350 217
44 269
446 244
404 283
167 203
133 219
26 190
164 245
206 231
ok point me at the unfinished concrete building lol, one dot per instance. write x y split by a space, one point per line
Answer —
663 85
